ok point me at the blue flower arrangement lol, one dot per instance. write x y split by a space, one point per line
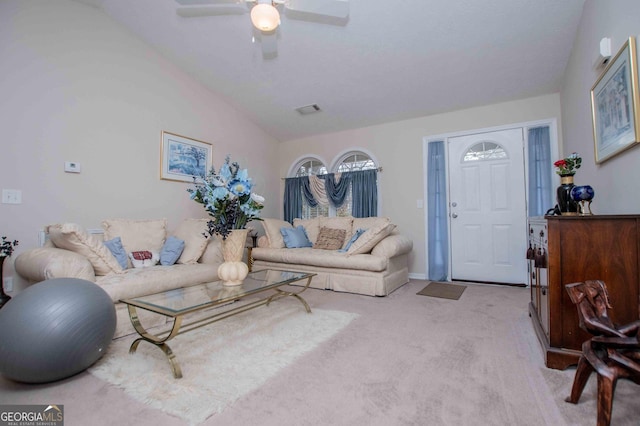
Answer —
226 195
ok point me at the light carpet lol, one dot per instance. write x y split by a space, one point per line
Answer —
220 362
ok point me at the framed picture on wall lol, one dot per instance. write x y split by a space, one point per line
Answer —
183 158
614 105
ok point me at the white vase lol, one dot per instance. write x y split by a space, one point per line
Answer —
233 270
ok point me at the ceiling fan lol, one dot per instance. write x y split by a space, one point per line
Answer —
264 13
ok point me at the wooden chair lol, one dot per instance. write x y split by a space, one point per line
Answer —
613 352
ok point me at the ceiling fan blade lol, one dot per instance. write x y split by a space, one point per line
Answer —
197 11
330 8
210 2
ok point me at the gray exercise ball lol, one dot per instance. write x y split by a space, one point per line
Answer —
55 329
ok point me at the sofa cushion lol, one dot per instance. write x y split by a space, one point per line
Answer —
272 229
295 237
137 235
193 232
213 251
154 279
367 241
322 258
330 239
73 237
311 227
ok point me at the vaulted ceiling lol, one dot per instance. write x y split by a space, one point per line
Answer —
391 60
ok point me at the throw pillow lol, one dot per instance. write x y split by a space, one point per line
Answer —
370 222
143 258
117 250
171 251
367 241
345 223
311 227
330 239
272 231
73 237
193 232
353 239
295 237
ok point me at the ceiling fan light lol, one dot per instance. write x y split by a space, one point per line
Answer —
265 17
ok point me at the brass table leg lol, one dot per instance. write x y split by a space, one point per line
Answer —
282 293
159 342
249 259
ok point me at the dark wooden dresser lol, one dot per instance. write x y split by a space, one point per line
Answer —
579 248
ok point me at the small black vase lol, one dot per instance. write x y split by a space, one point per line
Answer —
566 204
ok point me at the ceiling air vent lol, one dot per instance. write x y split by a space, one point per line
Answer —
308 109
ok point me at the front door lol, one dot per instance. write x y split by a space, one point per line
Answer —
488 207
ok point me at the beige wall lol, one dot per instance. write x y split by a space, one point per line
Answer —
398 147
616 181
77 87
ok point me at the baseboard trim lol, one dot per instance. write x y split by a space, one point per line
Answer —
415 276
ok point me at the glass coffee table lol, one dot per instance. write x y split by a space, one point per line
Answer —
211 302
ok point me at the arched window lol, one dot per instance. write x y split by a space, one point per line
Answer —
351 162
306 167
485 151
310 166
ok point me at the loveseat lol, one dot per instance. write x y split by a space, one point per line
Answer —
356 255
109 261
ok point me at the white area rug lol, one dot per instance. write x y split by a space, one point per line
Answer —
220 362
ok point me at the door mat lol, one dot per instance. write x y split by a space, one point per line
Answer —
443 290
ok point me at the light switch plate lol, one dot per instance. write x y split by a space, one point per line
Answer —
11 196
71 167
8 284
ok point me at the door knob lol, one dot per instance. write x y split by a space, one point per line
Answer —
454 215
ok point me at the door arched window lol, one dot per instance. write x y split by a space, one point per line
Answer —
485 151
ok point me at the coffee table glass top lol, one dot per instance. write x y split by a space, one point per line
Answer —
181 301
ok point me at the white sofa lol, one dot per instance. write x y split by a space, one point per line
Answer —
71 251
375 264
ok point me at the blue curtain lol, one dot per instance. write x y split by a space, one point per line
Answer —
336 192
540 190
294 191
438 244
364 193
306 192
